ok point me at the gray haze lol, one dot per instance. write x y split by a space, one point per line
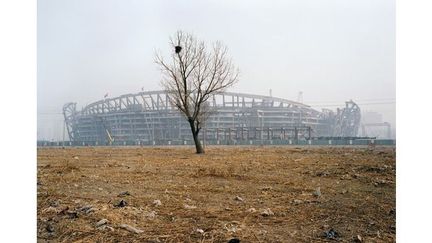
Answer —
332 50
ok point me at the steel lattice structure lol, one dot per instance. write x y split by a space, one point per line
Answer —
149 116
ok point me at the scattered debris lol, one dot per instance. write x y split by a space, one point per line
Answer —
101 222
125 193
86 209
50 210
291 196
317 192
103 208
251 210
131 229
358 239
157 203
106 227
150 215
331 234
297 201
72 214
232 226
49 228
121 203
189 206
63 210
267 212
382 182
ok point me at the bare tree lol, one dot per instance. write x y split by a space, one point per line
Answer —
193 75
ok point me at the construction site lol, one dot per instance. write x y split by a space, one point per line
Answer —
149 118
104 185
185 122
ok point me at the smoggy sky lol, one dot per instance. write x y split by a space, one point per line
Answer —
332 50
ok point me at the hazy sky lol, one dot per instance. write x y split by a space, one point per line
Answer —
332 50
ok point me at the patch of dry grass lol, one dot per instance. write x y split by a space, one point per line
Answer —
198 194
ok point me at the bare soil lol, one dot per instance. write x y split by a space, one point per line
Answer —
254 194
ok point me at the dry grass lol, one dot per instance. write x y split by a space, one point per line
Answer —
357 185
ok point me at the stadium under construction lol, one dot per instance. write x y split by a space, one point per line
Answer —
235 118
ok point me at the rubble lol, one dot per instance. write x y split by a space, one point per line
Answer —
189 206
50 210
150 215
317 192
267 212
72 214
251 210
101 222
358 239
131 228
331 234
121 203
297 201
105 227
157 203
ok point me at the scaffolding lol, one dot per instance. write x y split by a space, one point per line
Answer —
150 116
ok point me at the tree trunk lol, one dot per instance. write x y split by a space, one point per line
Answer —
198 146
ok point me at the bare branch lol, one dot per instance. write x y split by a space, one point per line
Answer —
194 75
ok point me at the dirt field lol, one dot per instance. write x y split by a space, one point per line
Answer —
254 194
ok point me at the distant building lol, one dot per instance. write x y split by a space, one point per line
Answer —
371 117
150 116
372 125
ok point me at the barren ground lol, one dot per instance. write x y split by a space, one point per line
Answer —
77 187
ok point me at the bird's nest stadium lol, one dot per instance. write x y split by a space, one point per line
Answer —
150 118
